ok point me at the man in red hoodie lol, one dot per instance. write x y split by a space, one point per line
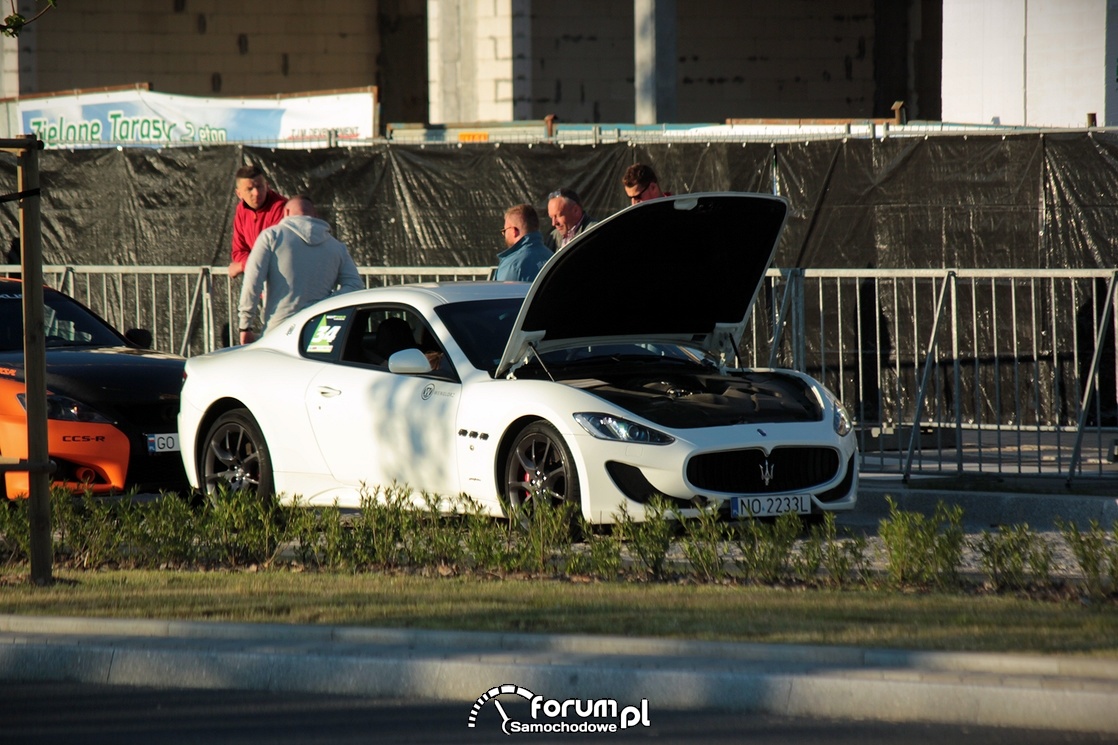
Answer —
259 208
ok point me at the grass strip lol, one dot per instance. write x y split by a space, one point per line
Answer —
722 612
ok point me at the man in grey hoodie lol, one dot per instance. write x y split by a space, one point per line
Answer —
295 263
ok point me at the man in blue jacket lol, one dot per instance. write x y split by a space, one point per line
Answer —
526 252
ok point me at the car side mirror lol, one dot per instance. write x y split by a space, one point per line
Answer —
409 361
140 337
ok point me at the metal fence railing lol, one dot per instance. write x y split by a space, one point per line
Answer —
187 308
1004 372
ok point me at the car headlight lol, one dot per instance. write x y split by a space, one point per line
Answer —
608 427
66 409
843 424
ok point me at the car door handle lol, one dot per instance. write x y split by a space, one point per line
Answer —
327 392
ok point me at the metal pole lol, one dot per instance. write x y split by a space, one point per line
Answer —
35 362
948 283
1091 381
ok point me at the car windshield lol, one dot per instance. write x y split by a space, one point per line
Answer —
65 324
481 328
594 355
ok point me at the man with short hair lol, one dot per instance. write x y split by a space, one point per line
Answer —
641 184
259 208
564 207
526 253
295 263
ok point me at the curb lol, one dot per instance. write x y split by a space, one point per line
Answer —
1051 693
989 508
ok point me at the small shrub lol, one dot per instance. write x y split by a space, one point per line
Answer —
1090 550
766 547
545 531
604 549
380 526
304 531
703 542
843 559
948 540
337 543
488 543
15 531
163 532
86 529
239 529
1111 555
1013 556
808 561
922 551
435 536
651 538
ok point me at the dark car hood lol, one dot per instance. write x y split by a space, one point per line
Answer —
105 373
685 268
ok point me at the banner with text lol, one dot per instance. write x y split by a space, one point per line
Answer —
137 117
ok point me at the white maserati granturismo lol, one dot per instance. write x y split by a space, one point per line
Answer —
613 378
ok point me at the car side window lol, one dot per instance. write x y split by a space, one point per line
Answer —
322 336
378 332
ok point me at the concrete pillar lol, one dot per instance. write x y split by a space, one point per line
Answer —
479 59
1110 75
654 59
28 48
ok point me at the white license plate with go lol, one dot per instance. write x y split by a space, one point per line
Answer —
168 443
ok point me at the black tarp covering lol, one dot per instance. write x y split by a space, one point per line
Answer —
1045 201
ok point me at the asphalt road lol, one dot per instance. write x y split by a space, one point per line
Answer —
44 713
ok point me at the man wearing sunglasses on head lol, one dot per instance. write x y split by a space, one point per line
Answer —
564 208
641 184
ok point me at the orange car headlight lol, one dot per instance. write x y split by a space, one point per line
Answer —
66 409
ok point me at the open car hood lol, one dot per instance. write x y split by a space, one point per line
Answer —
684 268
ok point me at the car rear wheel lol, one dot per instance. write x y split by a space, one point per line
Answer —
539 465
236 456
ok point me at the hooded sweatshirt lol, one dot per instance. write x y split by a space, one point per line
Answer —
295 263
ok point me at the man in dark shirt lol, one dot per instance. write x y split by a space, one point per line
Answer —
641 185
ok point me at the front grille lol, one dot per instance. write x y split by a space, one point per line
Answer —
156 471
149 417
745 471
843 488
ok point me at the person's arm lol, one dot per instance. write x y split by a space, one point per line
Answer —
256 270
349 279
240 250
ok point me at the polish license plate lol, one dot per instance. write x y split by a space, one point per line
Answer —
168 443
770 506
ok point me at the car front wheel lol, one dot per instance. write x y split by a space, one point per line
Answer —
236 456
540 465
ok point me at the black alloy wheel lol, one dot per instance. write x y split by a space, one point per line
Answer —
540 465
236 456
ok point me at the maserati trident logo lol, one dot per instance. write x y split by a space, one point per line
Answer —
766 472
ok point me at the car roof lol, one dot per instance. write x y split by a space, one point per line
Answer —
425 297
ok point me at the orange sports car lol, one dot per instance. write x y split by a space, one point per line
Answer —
111 402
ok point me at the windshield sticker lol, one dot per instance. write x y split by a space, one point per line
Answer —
325 334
